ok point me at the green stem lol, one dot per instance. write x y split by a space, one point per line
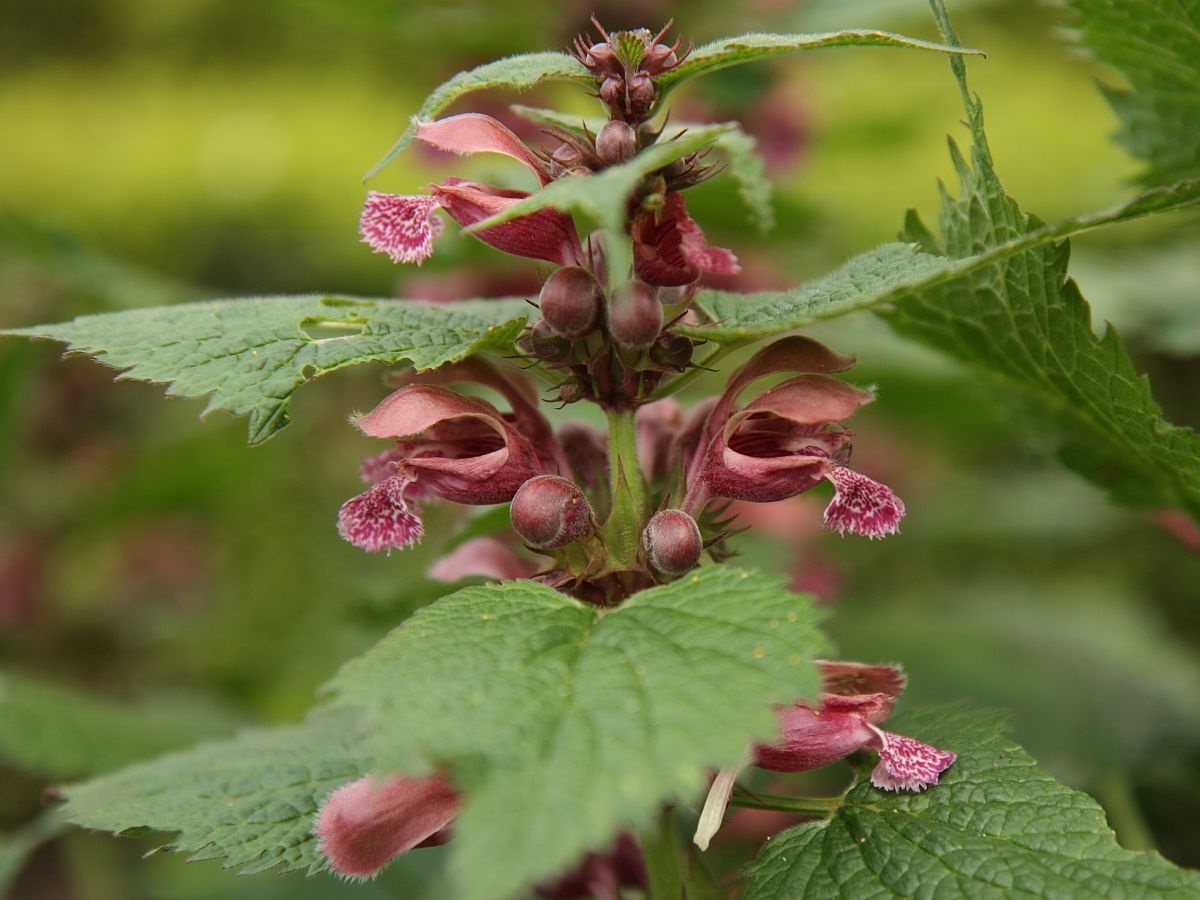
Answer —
804 806
1124 813
660 848
629 495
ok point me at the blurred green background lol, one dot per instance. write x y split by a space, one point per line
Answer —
160 152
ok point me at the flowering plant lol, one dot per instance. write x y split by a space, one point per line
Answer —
582 723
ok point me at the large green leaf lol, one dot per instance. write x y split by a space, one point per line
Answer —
517 72
1024 320
252 354
733 51
735 145
892 272
56 732
251 800
996 826
1154 44
563 723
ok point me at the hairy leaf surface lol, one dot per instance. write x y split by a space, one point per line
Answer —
248 356
562 723
734 51
996 826
517 72
251 800
892 272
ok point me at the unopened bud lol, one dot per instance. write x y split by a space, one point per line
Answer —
616 142
573 390
672 351
549 512
642 93
635 317
672 542
542 343
611 89
570 301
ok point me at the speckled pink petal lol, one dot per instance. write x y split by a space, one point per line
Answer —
369 821
862 506
380 517
906 764
402 227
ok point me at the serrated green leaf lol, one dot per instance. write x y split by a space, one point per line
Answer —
1154 45
517 72
603 198
892 272
250 355
996 826
734 51
54 732
563 723
1024 320
746 166
250 800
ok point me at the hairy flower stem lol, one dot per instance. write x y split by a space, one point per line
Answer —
629 495
660 849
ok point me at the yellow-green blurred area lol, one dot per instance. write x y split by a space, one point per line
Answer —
158 152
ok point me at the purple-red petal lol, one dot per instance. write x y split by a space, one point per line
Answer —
862 506
363 825
402 227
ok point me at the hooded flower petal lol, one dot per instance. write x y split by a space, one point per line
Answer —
545 234
366 823
477 133
402 227
861 506
906 764
669 248
381 518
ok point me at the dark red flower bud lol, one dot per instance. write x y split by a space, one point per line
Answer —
570 301
635 316
612 89
672 542
642 93
672 351
616 142
549 512
542 343
573 390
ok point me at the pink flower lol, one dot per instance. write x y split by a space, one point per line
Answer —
601 875
669 247
857 698
363 825
447 445
404 226
486 556
787 440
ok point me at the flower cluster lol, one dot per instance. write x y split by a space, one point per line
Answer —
603 516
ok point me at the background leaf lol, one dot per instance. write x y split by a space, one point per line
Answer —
251 354
1154 45
995 825
520 72
59 733
250 800
562 723
1024 320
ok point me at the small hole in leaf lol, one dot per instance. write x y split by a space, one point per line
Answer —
321 330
